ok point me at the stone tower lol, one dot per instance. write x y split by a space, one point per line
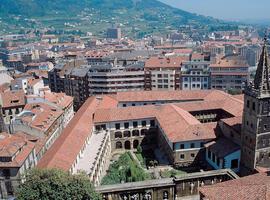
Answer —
255 146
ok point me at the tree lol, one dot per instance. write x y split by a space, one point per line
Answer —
55 184
139 149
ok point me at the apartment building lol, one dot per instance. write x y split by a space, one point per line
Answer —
195 74
163 73
106 78
76 84
56 76
229 73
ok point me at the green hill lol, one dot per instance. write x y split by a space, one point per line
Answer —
136 16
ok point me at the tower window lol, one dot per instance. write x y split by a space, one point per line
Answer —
247 103
253 106
234 164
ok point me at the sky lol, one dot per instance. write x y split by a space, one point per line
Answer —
226 9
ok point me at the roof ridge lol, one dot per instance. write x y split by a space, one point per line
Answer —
181 111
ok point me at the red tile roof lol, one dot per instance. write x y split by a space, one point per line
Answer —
13 99
60 99
254 187
165 62
18 146
149 96
44 116
65 149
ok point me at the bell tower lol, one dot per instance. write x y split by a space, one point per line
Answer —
255 137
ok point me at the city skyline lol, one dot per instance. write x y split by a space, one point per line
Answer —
242 10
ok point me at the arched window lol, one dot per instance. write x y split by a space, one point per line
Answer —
127 145
165 195
127 134
143 131
135 133
135 144
118 145
118 134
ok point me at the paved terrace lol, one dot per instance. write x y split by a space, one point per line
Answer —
88 159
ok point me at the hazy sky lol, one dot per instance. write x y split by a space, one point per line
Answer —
226 9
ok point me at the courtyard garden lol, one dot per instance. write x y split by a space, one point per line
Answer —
124 170
146 157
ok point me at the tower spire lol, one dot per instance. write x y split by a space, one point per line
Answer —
261 81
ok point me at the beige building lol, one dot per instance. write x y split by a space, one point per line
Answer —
163 73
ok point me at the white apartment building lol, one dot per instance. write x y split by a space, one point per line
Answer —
107 78
195 75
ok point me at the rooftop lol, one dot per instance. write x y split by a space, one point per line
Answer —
17 147
165 62
13 99
252 187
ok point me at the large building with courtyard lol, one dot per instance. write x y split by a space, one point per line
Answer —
199 130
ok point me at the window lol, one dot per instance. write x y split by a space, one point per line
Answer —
126 125
213 157
182 146
253 106
124 105
143 123
186 85
152 123
159 75
265 126
182 156
133 104
202 145
218 162
165 195
166 75
192 155
117 126
135 124
209 154
192 145
247 103
234 164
